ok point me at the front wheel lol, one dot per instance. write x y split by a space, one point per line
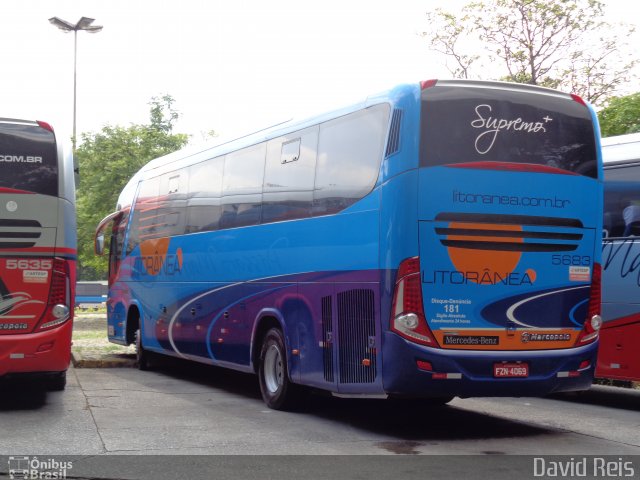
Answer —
142 356
278 392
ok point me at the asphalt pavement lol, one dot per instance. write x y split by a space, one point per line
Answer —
186 420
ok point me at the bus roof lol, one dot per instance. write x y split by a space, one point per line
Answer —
621 148
221 146
620 139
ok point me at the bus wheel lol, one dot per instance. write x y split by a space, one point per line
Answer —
278 392
142 356
57 382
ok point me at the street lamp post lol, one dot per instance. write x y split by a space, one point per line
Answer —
83 24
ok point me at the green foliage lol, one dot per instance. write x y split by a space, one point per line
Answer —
621 116
107 160
554 43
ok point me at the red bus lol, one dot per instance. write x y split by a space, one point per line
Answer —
37 252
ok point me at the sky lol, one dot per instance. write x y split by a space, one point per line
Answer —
232 66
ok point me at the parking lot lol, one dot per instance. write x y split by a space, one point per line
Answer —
185 409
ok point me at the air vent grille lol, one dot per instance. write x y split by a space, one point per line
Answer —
393 142
517 233
357 334
327 335
13 234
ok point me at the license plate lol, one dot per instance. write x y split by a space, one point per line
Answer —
510 370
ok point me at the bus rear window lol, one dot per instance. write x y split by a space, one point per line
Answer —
28 159
462 124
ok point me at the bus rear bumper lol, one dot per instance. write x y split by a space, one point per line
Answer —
43 352
465 373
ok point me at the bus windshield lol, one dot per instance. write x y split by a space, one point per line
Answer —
28 159
470 124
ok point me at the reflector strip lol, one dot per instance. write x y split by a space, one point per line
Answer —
446 376
424 365
568 374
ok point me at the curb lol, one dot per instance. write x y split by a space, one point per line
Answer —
105 360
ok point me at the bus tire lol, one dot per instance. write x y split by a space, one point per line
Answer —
142 356
57 382
278 392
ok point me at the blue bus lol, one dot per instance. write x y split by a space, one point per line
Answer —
439 239
618 357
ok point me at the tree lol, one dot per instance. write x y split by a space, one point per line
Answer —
107 160
621 116
555 43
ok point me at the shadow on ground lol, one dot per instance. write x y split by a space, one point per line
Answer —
413 422
21 395
614 397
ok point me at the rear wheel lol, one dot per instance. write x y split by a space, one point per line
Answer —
57 382
142 356
278 392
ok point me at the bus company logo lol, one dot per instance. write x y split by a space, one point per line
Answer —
13 326
509 200
155 258
20 159
484 266
473 340
527 337
492 125
11 301
24 468
485 277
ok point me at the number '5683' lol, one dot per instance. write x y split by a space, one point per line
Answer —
571 260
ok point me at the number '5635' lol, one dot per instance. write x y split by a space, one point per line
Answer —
29 264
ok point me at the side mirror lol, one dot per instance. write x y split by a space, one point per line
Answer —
99 244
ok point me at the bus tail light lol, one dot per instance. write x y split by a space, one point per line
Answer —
577 98
407 310
45 125
593 322
424 84
58 308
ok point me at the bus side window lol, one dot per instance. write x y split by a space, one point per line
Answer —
350 150
621 196
631 216
145 210
172 204
117 243
204 198
289 176
242 187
